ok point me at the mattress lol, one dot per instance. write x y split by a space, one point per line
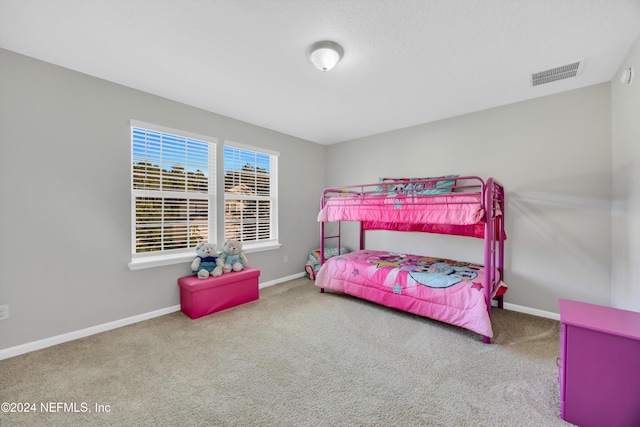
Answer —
452 209
446 290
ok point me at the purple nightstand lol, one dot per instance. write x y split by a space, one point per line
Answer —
599 365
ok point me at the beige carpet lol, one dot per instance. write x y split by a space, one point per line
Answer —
295 357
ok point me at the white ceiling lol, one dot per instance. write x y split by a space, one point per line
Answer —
406 62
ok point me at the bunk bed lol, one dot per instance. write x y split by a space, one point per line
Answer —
454 292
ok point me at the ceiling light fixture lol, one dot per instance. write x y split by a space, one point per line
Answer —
325 55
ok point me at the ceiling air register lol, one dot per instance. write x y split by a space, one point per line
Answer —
554 74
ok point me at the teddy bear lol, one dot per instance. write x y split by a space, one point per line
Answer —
205 263
232 258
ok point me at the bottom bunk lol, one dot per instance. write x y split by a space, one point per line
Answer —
445 290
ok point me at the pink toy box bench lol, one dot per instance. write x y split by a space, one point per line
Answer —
199 297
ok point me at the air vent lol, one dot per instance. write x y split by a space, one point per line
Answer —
554 74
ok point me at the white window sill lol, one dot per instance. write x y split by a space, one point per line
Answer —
159 261
252 249
162 260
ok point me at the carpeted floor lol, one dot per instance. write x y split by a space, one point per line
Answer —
295 357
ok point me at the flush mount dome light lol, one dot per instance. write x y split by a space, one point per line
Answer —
325 55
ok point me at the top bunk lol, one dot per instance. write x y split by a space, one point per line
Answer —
451 204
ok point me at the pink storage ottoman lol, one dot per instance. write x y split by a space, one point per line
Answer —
199 297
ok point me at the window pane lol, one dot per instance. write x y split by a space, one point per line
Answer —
146 176
263 184
170 223
168 162
249 195
171 188
148 238
247 220
264 231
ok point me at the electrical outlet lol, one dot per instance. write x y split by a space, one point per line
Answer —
286 259
4 312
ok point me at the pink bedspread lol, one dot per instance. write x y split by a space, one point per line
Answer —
444 290
455 209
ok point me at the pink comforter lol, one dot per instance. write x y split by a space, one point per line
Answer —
444 290
454 209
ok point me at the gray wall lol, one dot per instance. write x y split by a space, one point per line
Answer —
65 210
553 154
626 185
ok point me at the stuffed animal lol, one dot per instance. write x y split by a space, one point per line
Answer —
232 258
205 263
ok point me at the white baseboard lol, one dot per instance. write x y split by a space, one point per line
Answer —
533 311
70 336
281 280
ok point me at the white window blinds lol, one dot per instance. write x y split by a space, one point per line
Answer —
173 190
250 193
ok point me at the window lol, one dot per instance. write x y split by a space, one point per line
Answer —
172 192
250 196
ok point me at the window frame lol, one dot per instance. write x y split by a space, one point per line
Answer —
173 256
273 242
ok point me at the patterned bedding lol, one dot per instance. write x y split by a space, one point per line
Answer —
445 290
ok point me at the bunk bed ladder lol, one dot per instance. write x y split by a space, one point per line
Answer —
323 238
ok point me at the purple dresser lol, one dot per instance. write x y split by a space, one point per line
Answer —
599 365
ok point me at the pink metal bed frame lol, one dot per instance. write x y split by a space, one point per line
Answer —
491 195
